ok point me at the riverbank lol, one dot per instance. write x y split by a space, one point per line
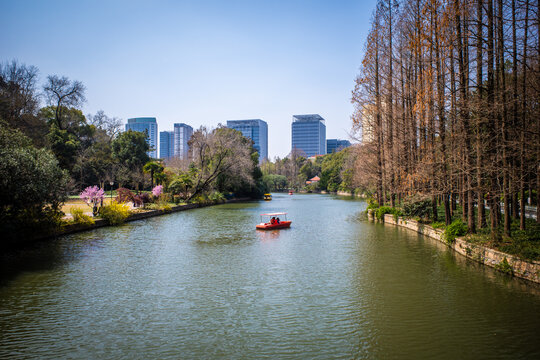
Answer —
98 223
512 265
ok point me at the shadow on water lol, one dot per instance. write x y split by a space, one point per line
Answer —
49 255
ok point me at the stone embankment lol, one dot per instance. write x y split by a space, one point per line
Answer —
507 263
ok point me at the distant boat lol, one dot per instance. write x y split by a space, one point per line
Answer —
290 192
267 197
276 224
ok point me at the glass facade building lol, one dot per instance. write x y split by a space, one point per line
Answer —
309 134
148 124
335 145
166 144
256 130
182 134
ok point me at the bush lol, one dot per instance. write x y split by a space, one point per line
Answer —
417 208
505 267
455 229
115 213
380 212
438 225
124 195
200 199
217 197
372 204
79 217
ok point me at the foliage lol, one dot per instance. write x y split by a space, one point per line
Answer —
381 211
223 159
115 213
153 168
183 184
275 182
130 148
523 243
216 197
92 196
455 229
417 207
124 195
79 217
32 186
505 267
438 225
372 204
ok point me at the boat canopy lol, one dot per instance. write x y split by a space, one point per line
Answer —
274 214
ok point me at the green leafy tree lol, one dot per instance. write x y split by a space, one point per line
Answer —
129 150
152 168
32 186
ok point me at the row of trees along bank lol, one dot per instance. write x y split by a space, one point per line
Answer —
448 102
49 149
336 171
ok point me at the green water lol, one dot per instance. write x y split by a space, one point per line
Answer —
204 284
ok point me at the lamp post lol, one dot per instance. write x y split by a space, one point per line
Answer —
111 183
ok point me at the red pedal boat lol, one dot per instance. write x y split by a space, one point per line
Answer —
274 221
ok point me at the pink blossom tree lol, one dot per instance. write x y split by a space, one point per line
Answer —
157 190
93 196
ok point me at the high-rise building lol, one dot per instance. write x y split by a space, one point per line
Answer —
309 134
166 144
335 145
256 130
182 134
148 124
367 121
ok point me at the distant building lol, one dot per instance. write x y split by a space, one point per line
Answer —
335 145
166 144
182 134
367 123
148 125
313 180
309 134
256 130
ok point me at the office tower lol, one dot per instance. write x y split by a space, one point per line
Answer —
166 144
148 124
309 134
256 130
182 134
335 145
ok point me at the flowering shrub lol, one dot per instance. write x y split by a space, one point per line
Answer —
157 190
115 213
79 217
92 196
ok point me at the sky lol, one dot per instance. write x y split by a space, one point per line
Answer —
199 62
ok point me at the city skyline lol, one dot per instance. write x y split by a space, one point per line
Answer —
206 61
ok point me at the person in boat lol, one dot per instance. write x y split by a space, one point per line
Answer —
277 221
272 220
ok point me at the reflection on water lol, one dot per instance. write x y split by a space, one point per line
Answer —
205 284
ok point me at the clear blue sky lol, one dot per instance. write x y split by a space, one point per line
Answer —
199 62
